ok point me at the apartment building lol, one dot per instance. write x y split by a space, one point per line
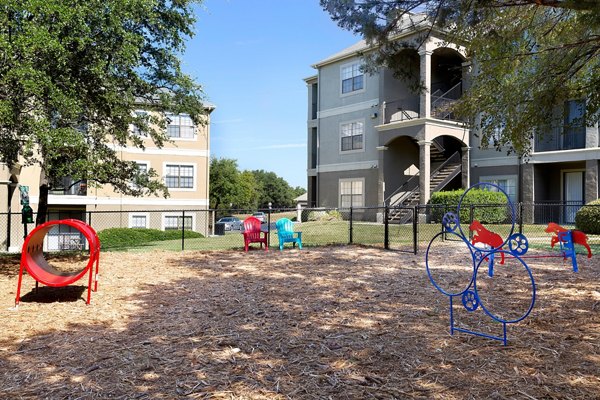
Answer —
373 141
182 163
562 171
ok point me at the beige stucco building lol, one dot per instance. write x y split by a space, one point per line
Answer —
183 164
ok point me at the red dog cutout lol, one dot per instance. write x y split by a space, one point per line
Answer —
486 237
577 236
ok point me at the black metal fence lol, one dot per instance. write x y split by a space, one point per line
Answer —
403 229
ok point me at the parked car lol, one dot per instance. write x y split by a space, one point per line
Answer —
231 223
260 216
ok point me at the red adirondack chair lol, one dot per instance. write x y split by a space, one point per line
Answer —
253 234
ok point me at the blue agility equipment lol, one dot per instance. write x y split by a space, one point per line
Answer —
286 234
517 244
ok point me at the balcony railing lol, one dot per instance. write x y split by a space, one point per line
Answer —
406 109
559 139
68 187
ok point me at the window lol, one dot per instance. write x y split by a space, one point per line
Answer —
138 220
143 115
352 193
180 126
352 136
143 170
506 183
179 176
574 128
352 78
176 222
494 137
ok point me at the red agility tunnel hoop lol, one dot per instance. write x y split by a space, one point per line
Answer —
33 260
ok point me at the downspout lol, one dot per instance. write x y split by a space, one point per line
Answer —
318 174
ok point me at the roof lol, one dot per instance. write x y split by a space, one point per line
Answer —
410 24
347 52
302 197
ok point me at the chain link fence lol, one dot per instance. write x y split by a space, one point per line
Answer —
403 229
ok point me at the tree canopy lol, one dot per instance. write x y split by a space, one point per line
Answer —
234 189
71 75
529 56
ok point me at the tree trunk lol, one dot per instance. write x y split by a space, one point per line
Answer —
43 199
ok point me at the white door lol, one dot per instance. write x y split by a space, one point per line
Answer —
573 194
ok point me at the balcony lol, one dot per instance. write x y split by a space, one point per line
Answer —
406 109
67 187
560 139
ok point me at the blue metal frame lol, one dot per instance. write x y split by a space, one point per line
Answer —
518 245
567 247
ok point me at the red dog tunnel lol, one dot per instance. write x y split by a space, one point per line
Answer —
34 261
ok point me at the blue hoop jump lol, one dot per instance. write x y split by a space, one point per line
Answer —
517 244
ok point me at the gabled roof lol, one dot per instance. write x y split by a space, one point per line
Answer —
409 25
347 52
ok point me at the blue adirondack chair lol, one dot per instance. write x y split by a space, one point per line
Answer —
285 233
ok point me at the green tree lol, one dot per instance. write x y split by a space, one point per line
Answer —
273 189
230 188
529 56
71 74
248 191
223 184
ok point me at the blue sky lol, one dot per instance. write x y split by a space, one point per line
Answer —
251 56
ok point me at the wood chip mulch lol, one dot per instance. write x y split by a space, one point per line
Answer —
319 323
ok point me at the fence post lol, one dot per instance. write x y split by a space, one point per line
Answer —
269 226
415 227
386 228
471 217
350 225
89 218
183 230
521 217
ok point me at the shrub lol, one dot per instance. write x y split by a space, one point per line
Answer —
304 215
587 218
482 200
331 215
129 237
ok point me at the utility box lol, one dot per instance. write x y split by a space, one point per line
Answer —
220 228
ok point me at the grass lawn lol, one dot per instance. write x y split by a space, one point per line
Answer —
320 233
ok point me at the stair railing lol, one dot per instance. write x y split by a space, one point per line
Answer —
454 158
440 104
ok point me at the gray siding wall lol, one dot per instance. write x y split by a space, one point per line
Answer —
330 139
330 87
329 125
397 94
329 186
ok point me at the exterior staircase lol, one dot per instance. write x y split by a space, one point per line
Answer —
401 201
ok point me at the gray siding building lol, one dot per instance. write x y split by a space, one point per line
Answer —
373 141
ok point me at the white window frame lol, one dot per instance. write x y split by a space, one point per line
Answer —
177 214
364 80
132 215
488 178
181 164
345 180
171 117
342 124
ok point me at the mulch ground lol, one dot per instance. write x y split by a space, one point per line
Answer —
319 323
